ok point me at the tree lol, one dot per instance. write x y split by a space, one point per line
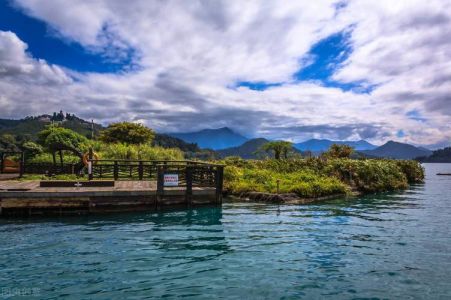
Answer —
8 143
280 148
54 135
127 133
31 149
339 151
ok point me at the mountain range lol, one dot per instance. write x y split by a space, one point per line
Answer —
316 145
247 150
215 139
397 150
224 141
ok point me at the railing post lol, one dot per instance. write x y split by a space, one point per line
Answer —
219 175
140 170
116 170
160 184
21 165
189 184
1 162
90 175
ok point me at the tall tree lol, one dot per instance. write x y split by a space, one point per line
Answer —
127 133
54 135
339 151
281 149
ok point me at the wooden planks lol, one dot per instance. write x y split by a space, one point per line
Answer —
28 198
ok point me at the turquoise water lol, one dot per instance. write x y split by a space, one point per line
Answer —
395 246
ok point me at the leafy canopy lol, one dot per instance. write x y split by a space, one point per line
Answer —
280 148
127 133
339 151
53 136
31 149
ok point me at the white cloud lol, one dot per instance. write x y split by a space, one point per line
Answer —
190 52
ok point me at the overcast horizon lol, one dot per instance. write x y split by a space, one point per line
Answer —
339 70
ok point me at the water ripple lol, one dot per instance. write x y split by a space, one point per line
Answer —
392 245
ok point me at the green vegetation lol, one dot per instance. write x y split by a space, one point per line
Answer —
438 156
339 151
135 152
281 149
8 143
31 149
127 133
54 177
28 128
314 177
53 136
334 172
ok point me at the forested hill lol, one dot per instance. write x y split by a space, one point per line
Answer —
438 156
29 127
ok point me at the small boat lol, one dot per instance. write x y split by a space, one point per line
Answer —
444 174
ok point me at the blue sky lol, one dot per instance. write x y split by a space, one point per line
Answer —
337 69
319 65
46 43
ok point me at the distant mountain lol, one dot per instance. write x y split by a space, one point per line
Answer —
30 126
167 141
215 139
246 150
397 150
316 145
438 156
249 150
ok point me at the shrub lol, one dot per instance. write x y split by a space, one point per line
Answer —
136 152
314 177
47 158
53 135
128 133
412 169
31 149
339 151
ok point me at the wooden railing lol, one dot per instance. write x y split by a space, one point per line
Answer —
189 174
47 168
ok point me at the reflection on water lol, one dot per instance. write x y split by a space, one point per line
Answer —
394 245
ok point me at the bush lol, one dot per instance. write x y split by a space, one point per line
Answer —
314 177
136 152
47 158
53 135
412 169
128 133
31 149
303 183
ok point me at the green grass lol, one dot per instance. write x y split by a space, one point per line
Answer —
316 177
69 177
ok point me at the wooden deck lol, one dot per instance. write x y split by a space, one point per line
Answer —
28 198
7 176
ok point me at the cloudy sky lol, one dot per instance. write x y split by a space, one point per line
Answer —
375 70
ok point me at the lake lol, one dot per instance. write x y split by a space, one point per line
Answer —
393 245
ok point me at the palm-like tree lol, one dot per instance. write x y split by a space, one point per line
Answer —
281 149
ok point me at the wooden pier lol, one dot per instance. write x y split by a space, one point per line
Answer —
176 184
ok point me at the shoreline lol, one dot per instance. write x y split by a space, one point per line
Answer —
284 198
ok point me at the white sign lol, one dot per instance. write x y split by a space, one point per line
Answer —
171 179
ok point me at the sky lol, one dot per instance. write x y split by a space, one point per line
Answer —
294 70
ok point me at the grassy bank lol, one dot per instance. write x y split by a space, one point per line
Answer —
318 177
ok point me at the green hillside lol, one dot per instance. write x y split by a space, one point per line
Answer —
28 127
14 132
